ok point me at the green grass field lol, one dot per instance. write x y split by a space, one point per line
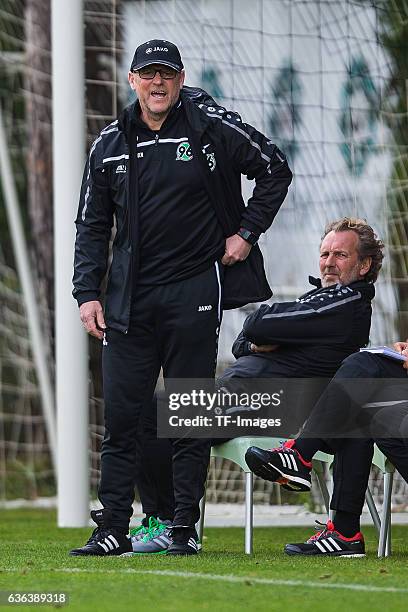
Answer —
33 557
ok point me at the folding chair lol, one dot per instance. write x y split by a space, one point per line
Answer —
235 450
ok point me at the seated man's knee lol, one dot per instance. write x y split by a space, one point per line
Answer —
361 364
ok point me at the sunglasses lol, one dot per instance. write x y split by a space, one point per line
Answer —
149 73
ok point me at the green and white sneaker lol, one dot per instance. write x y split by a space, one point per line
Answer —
155 541
138 533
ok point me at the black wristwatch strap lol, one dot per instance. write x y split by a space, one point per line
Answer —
247 235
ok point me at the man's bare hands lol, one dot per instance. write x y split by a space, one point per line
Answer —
402 347
263 348
92 318
236 249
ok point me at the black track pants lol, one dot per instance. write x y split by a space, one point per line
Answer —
353 456
154 468
167 329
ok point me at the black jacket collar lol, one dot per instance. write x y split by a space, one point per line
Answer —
361 285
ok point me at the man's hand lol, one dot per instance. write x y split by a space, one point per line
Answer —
236 249
263 348
92 318
402 347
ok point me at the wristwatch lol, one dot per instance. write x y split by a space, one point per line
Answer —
248 236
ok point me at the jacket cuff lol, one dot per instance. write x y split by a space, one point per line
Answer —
245 224
86 296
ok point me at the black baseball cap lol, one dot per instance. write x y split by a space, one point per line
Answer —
157 52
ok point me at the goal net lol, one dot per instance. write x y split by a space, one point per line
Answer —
320 77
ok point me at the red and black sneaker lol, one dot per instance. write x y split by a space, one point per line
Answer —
283 465
329 543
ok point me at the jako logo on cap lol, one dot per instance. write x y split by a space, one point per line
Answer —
157 51
150 50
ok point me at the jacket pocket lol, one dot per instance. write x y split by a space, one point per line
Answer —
117 302
246 282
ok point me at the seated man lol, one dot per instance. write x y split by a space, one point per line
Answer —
311 336
358 382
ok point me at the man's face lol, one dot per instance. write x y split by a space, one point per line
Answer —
156 96
339 259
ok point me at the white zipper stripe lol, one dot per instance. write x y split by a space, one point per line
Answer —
320 547
334 543
147 143
217 271
107 159
173 139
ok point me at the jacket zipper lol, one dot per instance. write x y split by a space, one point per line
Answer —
129 219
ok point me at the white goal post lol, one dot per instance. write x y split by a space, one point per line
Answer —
68 88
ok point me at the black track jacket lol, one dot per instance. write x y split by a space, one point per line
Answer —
226 148
314 333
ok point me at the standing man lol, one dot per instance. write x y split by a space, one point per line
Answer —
168 171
